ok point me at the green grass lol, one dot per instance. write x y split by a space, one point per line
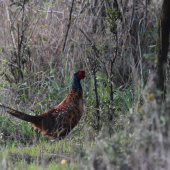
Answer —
41 155
19 148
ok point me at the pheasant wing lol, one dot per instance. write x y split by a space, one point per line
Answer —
59 121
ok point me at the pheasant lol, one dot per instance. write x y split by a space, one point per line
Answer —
59 121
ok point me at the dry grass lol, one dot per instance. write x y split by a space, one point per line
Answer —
37 74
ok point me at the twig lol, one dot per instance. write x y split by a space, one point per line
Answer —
62 156
68 27
96 51
9 19
93 47
50 11
30 35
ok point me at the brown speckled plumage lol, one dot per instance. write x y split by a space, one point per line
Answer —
58 121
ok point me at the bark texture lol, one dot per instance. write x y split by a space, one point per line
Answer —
162 45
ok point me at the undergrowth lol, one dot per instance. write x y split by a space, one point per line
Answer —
124 126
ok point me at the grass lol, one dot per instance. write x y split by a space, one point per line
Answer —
136 129
138 135
42 153
20 148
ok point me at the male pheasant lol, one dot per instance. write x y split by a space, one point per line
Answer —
59 121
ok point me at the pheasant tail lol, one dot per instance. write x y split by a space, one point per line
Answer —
20 115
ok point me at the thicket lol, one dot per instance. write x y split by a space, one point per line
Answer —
125 123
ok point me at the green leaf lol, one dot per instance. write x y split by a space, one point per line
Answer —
44 39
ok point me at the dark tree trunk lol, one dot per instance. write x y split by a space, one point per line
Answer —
162 46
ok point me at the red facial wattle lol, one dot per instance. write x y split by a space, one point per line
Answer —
81 74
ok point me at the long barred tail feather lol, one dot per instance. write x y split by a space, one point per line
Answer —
19 114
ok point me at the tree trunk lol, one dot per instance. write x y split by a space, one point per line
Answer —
162 46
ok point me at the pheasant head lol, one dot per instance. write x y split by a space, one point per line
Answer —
76 80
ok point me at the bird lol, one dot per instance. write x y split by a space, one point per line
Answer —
59 121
